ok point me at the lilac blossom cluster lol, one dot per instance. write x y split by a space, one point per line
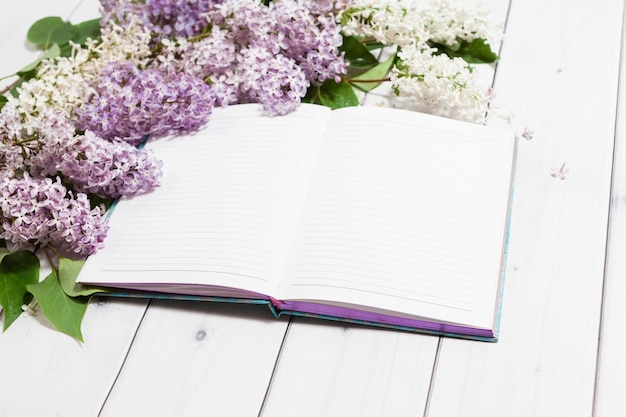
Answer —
423 79
250 52
110 169
43 212
130 103
162 17
37 210
90 163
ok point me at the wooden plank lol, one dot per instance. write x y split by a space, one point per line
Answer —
44 371
336 369
611 376
545 361
197 358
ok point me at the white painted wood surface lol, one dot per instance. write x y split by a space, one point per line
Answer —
562 343
545 363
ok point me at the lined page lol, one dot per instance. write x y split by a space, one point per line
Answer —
407 213
229 198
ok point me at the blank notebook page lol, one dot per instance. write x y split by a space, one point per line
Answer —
407 208
228 201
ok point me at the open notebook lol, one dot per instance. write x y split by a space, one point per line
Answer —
365 214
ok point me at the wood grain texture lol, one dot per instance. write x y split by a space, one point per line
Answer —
337 369
611 375
545 361
559 76
46 373
197 358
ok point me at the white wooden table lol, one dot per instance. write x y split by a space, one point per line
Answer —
562 343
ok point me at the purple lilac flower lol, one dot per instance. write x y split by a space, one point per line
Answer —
11 128
312 40
43 212
266 54
164 18
273 80
245 20
286 27
87 162
130 103
213 55
109 169
212 40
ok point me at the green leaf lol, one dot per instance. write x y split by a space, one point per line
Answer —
64 312
85 30
3 101
68 272
374 45
379 72
50 30
30 70
476 52
17 271
337 95
356 54
52 52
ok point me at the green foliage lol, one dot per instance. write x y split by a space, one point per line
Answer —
62 301
68 272
337 95
475 52
332 94
85 30
374 76
49 31
53 31
17 271
357 54
64 312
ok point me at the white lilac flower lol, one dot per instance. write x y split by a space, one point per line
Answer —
63 83
393 22
423 80
387 21
450 21
439 85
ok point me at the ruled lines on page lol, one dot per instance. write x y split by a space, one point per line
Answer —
225 205
407 211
